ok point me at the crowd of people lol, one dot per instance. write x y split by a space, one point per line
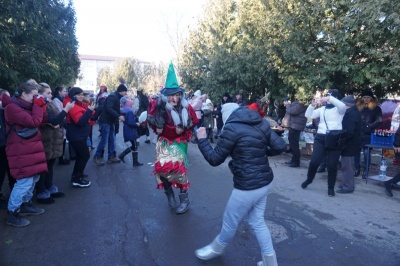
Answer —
37 122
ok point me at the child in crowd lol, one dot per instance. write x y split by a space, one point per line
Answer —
130 130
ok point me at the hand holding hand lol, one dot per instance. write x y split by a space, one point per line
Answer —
201 133
122 118
159 131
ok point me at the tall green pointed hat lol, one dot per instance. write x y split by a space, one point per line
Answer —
171 84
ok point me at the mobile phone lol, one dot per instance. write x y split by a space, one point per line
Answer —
73 99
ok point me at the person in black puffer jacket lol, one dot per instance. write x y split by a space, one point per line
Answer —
249 140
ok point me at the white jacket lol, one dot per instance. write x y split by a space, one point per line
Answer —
334 116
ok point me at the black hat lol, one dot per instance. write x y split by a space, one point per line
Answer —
334 93
74 91
367 93
121 88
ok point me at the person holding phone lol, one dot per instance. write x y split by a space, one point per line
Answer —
331 115
26 156
52 139
78 128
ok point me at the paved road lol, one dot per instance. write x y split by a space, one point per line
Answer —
123 220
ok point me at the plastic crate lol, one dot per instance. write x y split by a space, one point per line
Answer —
382 141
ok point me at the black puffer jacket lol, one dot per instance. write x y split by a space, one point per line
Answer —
249 140
111 109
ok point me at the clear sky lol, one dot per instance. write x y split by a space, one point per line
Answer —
135 28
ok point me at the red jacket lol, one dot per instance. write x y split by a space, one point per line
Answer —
26 157
78 126
169 130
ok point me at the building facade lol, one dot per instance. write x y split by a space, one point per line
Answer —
91 65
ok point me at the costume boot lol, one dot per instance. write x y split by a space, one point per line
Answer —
135 159
268 260
184 203
123 154
212 250
171 197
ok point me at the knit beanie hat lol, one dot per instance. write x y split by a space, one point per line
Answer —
227 110
367 93
197 93
349 100
74 91
122 88
334 93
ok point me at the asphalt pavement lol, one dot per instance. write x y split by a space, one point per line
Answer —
122 219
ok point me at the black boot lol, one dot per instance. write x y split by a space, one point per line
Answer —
306 183
171 197
357 171
388 187
364 174
135 159
123 154
184 203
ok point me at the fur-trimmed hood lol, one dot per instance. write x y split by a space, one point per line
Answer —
371 105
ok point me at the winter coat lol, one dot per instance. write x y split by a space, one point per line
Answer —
208 118
371 119
159 117
141 103
26 157
130 124
111 109
78 126
58 103
249 140
53 138
295 116
352 124
333 116
197 102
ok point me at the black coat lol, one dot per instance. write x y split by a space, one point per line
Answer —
248 139
111 109
352 124
371 119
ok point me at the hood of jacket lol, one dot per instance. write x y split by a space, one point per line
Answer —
244 115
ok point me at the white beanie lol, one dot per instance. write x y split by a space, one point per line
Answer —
197 93
208 101
227 110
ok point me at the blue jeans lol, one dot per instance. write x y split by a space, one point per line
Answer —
240 204
22 192
107 134
367 156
